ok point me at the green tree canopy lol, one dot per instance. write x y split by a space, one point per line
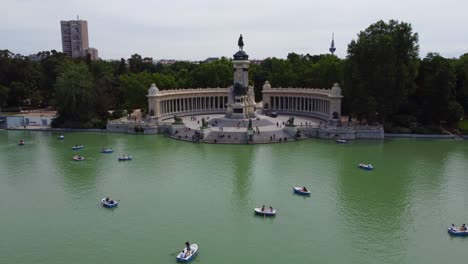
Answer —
382 64
74 95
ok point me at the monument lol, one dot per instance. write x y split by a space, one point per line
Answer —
241 97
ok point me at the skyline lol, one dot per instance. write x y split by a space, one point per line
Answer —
189 30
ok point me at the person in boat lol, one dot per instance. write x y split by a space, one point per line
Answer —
463 228
304 189
107 199
453 227
187 248
271 209
263 208
182 254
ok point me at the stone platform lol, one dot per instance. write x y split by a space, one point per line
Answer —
234 131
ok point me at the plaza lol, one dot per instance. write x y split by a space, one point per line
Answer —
220 129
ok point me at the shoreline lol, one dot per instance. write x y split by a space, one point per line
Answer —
386 135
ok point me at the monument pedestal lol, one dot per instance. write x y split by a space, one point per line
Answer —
204 132
290 130
250 136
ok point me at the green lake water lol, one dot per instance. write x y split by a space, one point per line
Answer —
174 192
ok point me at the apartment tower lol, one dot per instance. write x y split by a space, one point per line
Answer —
75 37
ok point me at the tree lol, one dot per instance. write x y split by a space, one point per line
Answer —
134 87
436 90
3 95
382 63
122 67
74 96
213 74
461 85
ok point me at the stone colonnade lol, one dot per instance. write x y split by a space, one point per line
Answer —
192 104
324 104
167 103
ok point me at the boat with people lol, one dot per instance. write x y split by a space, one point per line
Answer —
77 147
265 211
187 255
301 190
124 158
61 137
341 141
109 203
365 166
107 150
78 158
21 143
458 231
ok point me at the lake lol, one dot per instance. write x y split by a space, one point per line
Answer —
173 191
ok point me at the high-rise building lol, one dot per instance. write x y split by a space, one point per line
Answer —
74 37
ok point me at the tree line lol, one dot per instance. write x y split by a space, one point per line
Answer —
382 77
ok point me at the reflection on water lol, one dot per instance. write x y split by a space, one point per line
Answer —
176 191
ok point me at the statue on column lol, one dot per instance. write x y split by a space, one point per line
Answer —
240 42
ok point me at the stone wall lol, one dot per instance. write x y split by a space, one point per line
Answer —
129 128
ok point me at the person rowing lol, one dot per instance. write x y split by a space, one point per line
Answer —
463 228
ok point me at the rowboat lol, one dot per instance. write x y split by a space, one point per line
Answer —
184 257
341 141
300 190
107 150
456 232
78 158
365 166
109 203
265 212
124 158
77 147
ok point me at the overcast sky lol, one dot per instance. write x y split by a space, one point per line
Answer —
197 29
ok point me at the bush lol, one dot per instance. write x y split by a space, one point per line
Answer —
463 126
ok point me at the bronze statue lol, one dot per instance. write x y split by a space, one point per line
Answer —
177 120
240 42
204 123
290 122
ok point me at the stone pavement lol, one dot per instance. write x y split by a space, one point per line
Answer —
233 131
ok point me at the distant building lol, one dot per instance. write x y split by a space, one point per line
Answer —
93 52
211 59
75 42
256 62
166 62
